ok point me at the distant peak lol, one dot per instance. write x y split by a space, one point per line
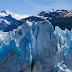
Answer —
8 11
3 11
69 10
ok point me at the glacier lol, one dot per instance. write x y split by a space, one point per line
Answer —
36 47
64 45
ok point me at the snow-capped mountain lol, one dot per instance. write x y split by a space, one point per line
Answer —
61 18
7 18
69 13
16 16
56 17
53 13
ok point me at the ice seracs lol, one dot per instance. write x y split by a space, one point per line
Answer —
65 47
31 41
36 46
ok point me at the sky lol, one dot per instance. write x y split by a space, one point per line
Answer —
31 7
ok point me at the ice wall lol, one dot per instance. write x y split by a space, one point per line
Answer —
31 41
50 50
64 49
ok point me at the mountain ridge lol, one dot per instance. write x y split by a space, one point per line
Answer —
56 17
7 18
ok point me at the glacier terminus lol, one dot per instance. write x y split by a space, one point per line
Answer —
36 47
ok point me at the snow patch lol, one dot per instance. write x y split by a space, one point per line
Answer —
7 22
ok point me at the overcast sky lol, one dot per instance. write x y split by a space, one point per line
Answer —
31 7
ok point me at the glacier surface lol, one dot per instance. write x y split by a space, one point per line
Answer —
36 41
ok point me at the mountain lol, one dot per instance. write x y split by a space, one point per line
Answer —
61 18
69 13
15 16
21 22
7 18
53 13
56 17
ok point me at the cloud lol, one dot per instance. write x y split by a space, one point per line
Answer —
18 17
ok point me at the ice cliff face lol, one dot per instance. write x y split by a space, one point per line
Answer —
45 46
17 46
30 41
64 49
35 47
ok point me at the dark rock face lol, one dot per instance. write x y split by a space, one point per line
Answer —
21 22
59 18
6 21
